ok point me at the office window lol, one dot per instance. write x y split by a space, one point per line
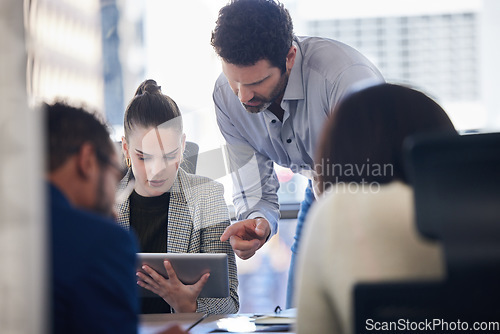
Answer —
438 53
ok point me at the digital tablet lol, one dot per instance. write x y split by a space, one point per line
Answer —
189 268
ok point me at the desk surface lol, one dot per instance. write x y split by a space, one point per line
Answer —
236 323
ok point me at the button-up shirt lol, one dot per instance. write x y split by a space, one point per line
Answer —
323 73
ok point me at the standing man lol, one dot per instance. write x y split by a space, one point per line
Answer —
274 95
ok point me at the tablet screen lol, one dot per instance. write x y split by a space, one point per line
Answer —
189 268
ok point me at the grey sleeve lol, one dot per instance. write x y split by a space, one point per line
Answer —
255 183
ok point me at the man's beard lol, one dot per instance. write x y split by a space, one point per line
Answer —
103 205
265 103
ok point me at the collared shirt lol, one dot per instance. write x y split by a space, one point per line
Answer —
323 73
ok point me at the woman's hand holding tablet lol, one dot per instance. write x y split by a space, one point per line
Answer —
181 297
181 278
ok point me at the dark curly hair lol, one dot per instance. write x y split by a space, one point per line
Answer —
68 128
251 30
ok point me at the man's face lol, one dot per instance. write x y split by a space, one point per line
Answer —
109 177
256 86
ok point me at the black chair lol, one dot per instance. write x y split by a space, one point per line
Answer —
190 157
456 181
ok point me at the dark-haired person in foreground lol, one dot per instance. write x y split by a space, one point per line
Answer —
93 282
275 94
361 229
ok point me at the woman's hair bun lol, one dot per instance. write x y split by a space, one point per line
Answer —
150 86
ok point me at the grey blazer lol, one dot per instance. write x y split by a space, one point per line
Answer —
197 217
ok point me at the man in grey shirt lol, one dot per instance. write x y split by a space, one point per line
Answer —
274 95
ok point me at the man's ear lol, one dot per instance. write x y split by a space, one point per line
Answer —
86 162
290 57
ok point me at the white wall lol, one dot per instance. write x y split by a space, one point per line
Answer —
490 58
22 227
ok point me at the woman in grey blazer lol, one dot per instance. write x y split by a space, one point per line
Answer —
168 209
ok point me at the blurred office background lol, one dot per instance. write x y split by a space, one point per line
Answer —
96 52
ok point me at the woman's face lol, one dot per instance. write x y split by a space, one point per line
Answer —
155 154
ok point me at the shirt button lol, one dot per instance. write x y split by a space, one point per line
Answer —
288 141
273 121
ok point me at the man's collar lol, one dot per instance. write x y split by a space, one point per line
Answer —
295 87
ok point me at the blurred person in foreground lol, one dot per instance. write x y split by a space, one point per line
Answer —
93 283
362 226
271 101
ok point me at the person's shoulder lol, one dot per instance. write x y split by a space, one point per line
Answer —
346 207
221 83
88 224
78 236
374 191
317 47
328 56
205 195
198 183
224 98
374 199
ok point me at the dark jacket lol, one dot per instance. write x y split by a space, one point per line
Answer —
93 279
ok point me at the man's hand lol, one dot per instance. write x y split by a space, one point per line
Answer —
247 236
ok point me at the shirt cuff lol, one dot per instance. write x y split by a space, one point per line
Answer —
255 215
